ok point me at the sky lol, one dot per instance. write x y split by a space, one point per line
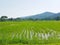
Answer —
21 8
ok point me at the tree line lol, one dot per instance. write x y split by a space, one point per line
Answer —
5 18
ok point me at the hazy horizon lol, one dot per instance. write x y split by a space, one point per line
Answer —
21 8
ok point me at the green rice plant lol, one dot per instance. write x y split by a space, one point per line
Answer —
30 32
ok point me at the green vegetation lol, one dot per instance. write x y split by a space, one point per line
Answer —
26 32
34 18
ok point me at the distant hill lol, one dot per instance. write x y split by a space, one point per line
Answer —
54 17
44 16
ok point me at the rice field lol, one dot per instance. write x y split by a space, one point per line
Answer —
30 33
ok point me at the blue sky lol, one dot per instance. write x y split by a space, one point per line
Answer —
20 8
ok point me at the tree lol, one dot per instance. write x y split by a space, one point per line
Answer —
58 18
3 18
18 19
10 19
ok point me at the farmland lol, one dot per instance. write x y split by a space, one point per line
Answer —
30 32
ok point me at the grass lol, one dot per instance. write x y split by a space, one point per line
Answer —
26 32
